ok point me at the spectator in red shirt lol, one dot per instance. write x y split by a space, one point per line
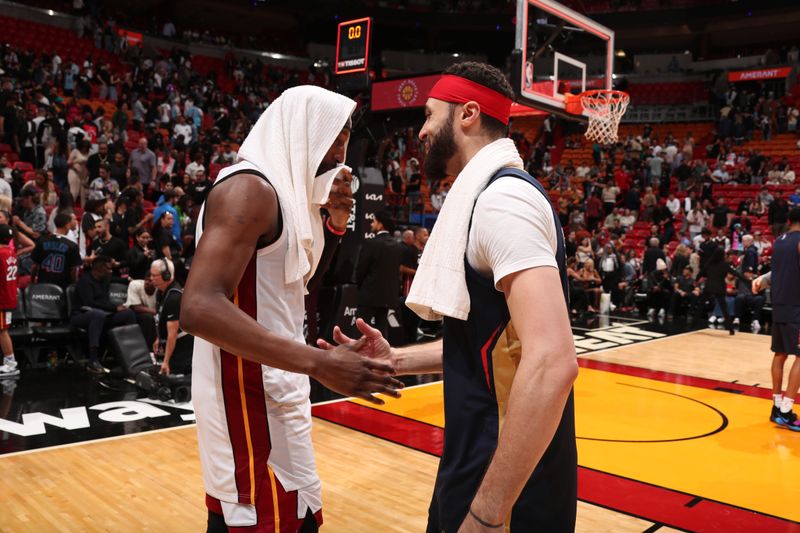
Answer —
594 211
8 299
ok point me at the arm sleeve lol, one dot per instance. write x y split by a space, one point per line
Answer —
513 229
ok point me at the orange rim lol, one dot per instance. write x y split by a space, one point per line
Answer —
573 103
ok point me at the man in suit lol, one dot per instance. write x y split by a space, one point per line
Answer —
378 273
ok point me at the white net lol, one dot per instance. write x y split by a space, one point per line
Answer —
605 110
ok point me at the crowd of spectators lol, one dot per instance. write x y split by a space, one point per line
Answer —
106 164
643 218
124 182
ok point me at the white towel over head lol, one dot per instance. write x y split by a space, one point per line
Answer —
288 143
440 286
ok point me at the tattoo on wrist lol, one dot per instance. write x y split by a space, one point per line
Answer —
484 523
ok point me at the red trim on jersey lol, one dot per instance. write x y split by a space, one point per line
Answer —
285 517
485 354
245 404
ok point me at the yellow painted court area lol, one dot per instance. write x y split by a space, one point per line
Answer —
749 463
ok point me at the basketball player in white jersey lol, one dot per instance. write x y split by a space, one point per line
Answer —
261 238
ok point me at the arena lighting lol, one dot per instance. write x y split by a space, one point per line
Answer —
620 53
455 55
273 55
51 12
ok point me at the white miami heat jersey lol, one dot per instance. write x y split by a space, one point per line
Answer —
254 421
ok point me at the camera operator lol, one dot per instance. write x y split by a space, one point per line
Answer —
177 344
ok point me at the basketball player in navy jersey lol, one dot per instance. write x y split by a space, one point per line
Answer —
260 240
784 278
509 459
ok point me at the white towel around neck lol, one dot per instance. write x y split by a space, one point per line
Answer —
288 143
440 286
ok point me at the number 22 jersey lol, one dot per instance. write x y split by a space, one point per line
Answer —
8 281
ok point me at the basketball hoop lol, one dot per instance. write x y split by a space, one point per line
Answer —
604 109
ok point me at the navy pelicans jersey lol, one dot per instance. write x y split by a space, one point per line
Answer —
480 358
786 278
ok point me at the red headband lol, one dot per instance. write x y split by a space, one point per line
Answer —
458 90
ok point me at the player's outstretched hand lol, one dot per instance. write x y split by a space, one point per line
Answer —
374 346
348 371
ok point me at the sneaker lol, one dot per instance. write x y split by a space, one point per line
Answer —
788 420
736 321
651 313
95 367
662 313
755 326
776 412
7 371
712 320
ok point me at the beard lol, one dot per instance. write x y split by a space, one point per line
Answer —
441 148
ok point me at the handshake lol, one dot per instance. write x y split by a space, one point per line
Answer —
359 368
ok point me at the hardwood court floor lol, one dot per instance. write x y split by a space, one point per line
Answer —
713 354
152 482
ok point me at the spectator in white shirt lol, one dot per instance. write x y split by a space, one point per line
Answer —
720 175
628 219
655 163
689 202
697 218
182 132
437 199
194 166
669 154
760 242
5 168
142 301
673 204
227 156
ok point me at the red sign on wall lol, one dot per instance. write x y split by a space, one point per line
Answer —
133 38
400 94
761 74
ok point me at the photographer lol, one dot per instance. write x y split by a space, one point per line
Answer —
177 344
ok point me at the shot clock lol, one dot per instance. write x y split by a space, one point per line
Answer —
352 46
